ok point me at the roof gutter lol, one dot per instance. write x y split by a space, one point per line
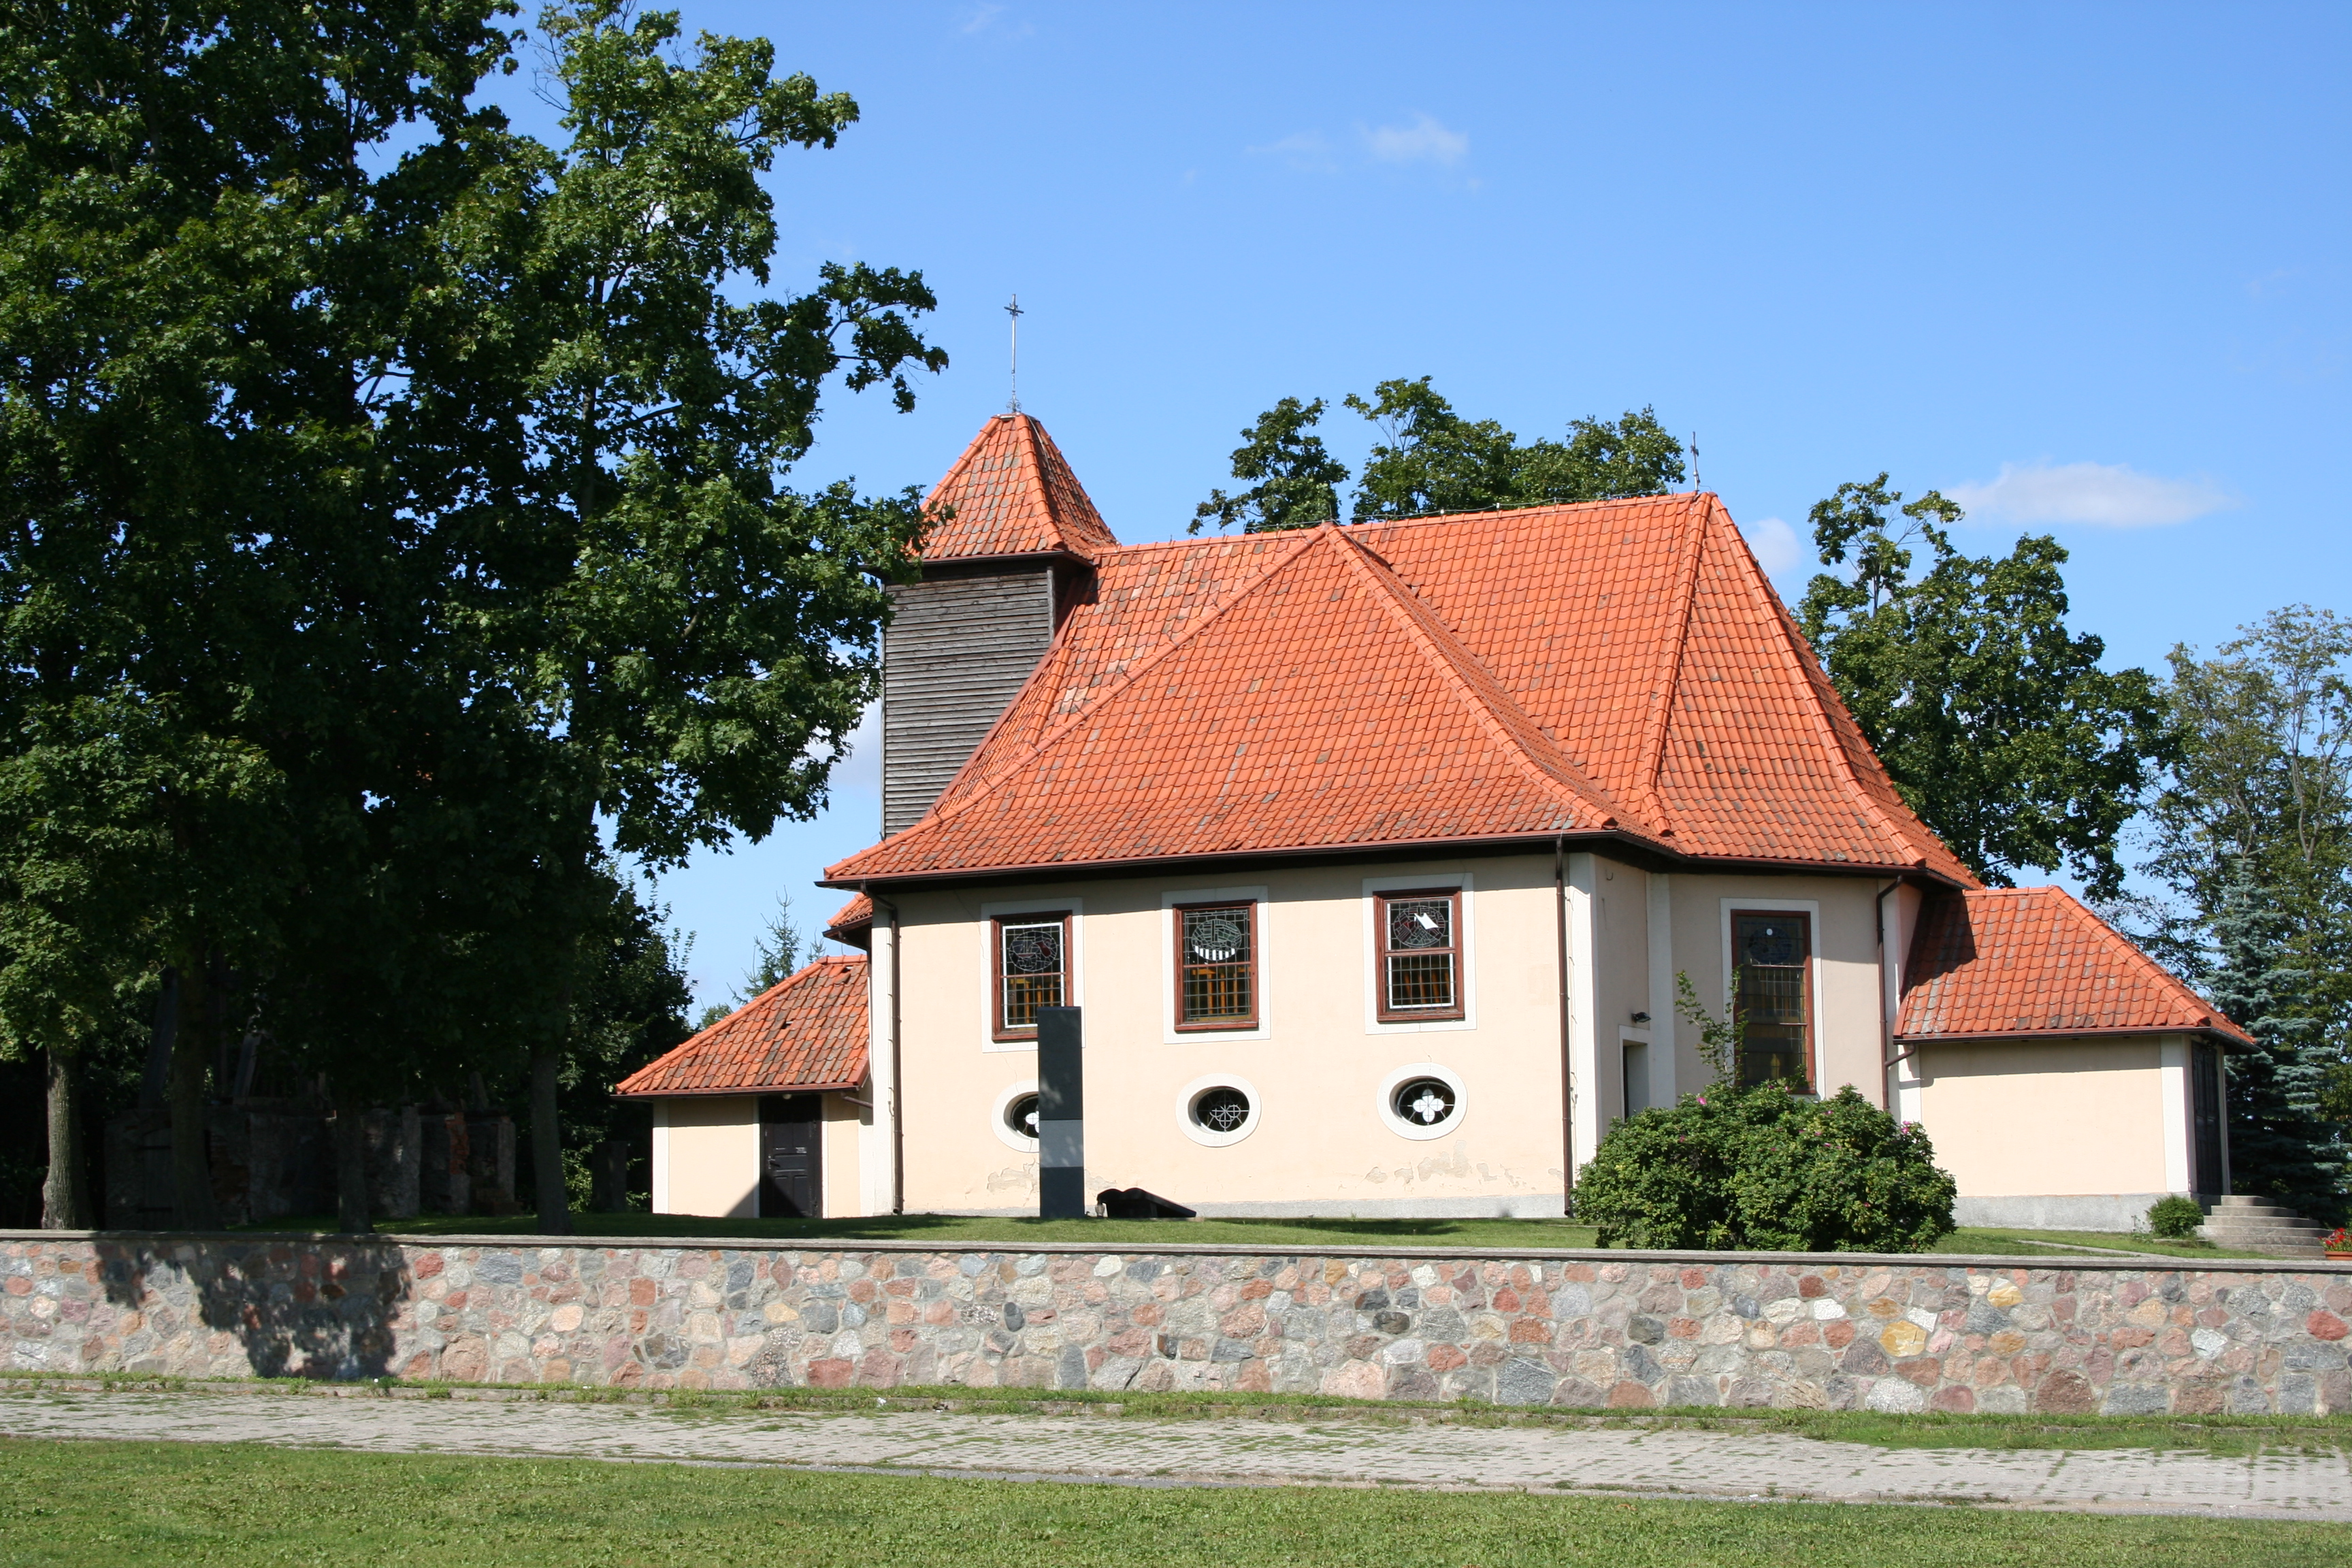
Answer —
841 1087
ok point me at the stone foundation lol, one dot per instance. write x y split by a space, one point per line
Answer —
1624 1330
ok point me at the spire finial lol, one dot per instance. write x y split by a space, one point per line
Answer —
1012 403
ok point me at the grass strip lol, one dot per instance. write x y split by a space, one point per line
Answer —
2216 1435
100 1503
1501 1237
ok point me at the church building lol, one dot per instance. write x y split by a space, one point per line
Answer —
1373 857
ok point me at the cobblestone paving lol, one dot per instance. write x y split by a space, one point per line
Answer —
1244 1452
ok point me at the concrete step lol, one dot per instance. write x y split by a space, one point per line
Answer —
2249 1224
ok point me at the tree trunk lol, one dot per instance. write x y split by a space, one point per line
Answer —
350 1128
193 1203
65 1194
546 1146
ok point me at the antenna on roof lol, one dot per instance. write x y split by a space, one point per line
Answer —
1696 485
1012 403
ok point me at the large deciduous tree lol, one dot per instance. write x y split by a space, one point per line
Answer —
1996 723
690 642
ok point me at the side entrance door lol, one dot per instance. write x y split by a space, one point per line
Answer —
791 1182
2206 1109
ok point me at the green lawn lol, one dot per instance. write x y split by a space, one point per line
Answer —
1500 1235
145 1503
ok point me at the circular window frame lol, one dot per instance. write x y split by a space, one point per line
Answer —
1202 1085
1003 1128
1385 1101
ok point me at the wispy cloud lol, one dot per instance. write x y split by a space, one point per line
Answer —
2110 495
1775 544
1304 149
1423 142
989 18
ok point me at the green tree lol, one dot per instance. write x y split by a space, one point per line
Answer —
201 256
1434 460
691 642
780 948
1297 479
2251 832
1996 723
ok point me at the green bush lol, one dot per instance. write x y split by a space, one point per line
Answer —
2174 1216
1767 1170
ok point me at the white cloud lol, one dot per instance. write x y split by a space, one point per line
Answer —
1423 142
1305 150
1775 545
2112 495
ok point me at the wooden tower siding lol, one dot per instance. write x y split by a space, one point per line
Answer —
957 647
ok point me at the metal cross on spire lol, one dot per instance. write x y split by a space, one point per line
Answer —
1012 403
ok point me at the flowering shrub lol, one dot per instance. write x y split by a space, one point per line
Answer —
2338 1241
1763 1169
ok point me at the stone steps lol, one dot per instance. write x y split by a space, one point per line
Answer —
2253 1225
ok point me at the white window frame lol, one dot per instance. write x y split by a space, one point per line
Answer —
1414 1130
1202 1085
1004 1131
1468 941
1812 910
1260 908
1011 908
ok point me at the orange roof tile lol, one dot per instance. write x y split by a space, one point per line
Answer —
1014 494
855 915
1631 652
1322 704
2034 961
805 1032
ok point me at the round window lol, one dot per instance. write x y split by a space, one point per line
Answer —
1222 1109
1424 1102
1021 1116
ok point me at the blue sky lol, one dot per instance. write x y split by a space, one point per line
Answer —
2084 267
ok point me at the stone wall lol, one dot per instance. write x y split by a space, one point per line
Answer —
1629 1331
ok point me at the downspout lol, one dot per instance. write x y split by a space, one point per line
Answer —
897 1075
1567 1035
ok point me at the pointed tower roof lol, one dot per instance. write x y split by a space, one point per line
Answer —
1014 494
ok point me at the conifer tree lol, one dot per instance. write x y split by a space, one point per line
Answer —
2279 1144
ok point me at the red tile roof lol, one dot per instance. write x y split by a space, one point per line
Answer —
2034 961
852 917
806 1032
1014 494
1613 666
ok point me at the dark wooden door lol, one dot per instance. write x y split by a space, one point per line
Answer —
792 1180
2205 1115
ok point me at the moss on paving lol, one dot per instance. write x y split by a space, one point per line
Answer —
99 1504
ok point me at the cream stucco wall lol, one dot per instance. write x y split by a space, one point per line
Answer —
843 1187
2056 1117
1315 1060
709 1152
1848 1026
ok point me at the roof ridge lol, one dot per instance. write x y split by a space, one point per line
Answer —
942 809
1402 605
1791 641
1652 760
2163 976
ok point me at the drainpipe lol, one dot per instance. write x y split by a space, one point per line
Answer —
898 1060
1566 1038
1886 1012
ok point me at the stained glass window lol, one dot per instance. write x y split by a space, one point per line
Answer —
1030 969
1217 959
1420 957
1773 1002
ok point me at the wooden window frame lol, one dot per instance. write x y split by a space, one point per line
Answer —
1256 973
1000 1029
1812 1001
1382 953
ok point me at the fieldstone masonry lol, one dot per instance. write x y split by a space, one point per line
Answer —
1624 1331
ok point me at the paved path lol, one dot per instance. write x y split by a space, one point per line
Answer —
1661 1462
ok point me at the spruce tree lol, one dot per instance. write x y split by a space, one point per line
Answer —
2279 1144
